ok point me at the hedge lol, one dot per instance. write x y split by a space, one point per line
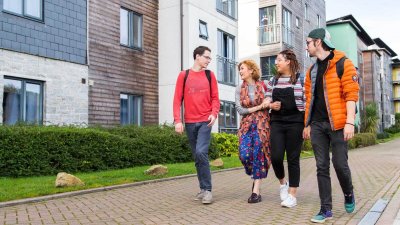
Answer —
47 150
35 150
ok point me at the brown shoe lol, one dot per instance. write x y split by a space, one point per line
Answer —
254 198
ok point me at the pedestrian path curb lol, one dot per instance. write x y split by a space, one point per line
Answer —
93 190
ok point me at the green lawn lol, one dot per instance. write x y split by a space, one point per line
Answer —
392 137
19 188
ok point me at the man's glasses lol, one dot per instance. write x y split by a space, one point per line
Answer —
308 42
207 57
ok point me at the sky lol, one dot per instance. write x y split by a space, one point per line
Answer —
379 18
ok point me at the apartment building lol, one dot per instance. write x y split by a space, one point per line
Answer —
184 25
396 84
43 62
267 27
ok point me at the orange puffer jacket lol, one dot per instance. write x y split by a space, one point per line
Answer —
336 91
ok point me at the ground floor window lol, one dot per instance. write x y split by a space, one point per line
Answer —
131 109
22 101
227 117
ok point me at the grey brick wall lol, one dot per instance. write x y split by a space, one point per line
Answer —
61 35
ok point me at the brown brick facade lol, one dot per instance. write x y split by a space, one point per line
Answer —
117 69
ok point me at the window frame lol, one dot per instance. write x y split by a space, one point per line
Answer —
271 61
202 35
297 22
22 110
306 16
130 31
24 14
220 8
130 108
226 56
318 21
227 105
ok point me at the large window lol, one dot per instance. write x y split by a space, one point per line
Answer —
27 8
228 7
268 30
268 67
287 32
22 101
131 27
131 109
226 64
227 119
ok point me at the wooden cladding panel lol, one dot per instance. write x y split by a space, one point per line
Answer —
117 69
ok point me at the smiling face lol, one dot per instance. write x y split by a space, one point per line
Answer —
245 72
282 64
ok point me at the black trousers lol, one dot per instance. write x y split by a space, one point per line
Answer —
287 137
322 138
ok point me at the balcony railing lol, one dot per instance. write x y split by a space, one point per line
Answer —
269 34
228 7
226 70
229 130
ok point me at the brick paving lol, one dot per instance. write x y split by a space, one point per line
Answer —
375 170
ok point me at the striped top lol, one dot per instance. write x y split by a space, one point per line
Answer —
284 82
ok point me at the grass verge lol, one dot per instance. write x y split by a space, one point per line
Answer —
27 187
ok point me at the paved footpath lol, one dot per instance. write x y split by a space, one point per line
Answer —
375 170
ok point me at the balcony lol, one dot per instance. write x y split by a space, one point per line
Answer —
396 81
226 70
271 34
396 98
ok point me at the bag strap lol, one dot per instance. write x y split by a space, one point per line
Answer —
340 67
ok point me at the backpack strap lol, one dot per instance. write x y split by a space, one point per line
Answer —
298 76
340 67
208 75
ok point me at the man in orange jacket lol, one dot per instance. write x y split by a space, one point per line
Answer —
329 117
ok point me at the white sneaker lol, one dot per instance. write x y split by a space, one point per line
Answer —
289 202
283 192
207 198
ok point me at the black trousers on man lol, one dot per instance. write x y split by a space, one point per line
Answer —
322 138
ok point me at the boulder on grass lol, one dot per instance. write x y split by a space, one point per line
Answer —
68 180
156 170
218 163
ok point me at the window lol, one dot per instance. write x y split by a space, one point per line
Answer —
306 11
131 109
307 54
27 8
287 27
203 30
268 67
227 7
297 22
318 21
268 30
227 119
226 64
22 101
130 29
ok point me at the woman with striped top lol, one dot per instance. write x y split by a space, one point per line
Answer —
287 123
254 128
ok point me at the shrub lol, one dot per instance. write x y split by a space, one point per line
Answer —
370 122
306 146
224 144
383 135
362 140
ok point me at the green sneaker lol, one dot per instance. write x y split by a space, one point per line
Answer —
322 216
349 202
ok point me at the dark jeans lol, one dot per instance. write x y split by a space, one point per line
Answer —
287 137
322 137
199 135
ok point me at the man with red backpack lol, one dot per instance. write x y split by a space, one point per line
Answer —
197 88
